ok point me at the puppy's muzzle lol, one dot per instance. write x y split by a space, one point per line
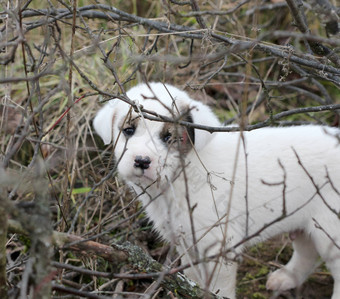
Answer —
142 163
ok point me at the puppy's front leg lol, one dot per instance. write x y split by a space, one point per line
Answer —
225 280
298 268
218 277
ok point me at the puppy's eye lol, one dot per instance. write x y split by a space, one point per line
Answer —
129 131
167 137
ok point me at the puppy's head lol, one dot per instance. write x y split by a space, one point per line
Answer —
146 150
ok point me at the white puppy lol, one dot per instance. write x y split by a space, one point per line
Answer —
213 194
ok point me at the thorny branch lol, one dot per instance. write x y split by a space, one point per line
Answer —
301 23
193 33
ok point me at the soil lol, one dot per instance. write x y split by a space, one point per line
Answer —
266 257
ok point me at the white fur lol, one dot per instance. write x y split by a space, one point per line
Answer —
220 176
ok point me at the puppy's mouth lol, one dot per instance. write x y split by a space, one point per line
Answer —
143 169
142 173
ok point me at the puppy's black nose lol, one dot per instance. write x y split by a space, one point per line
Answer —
142 163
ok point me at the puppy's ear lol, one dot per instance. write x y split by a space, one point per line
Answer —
103 122
202 115
190 131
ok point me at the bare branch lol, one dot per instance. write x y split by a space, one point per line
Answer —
130 254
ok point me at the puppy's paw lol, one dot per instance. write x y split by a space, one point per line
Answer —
282 280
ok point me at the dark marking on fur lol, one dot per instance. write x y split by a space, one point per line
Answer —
179 137
190 130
